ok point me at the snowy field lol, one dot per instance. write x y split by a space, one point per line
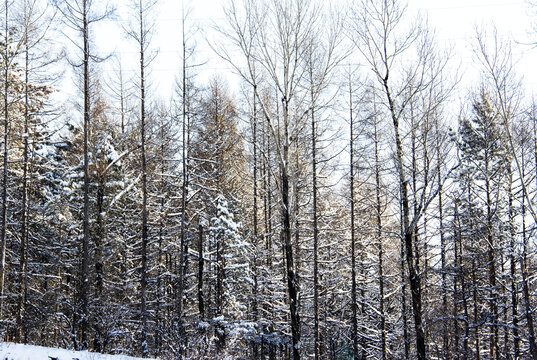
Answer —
10 351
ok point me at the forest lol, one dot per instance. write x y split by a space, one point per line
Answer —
329 198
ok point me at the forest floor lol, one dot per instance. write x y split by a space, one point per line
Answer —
11 351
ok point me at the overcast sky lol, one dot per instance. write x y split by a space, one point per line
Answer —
453 20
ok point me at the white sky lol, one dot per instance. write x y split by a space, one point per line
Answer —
453 20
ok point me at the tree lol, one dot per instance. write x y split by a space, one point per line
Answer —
218 172
499 75
380 36
142 37
79 15
11 48
321 59
35 21
484 155
292 23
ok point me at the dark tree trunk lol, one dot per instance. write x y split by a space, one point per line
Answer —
409 233
382 313
84 270
99 237
3 230
523 263
21 307
292 285
183 255
201 261
255 240
315 227
145 232
354 305
404 311
514 282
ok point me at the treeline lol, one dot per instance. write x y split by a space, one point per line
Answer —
327 211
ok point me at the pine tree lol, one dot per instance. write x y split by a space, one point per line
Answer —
483 175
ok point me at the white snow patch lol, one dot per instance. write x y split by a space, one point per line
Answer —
11 351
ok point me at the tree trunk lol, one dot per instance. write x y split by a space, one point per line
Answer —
292 286
409 233
315 225
3 231
354 305
491 260
201 261
523 265
145 234
255 240
445 341
383 345
406 336
83 278
184 190
21 308
514 287
99 267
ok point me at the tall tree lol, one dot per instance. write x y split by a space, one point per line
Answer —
79 15
291 23
35 21
11 47
485 160
382 38
322 55
354 306
141 34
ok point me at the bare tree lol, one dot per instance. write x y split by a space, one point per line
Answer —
380 36
78 15
354 307
36 22
141 34
321 59
499 75
12 48
271 36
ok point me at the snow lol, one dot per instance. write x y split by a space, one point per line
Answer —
46 150
11 351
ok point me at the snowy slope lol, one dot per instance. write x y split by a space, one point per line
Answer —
10 351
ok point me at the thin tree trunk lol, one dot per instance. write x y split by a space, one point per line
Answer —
100 236
523 263
382 313
184 189
409 232
445 343
292 285
255 242
354 306
268 197
315 225
404 311
458 276
99 267
475 309
220 276
514 287
493 338
21 309
3 231
83 278
145 235
201 261
159 323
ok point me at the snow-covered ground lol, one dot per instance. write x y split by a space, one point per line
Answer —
10 351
